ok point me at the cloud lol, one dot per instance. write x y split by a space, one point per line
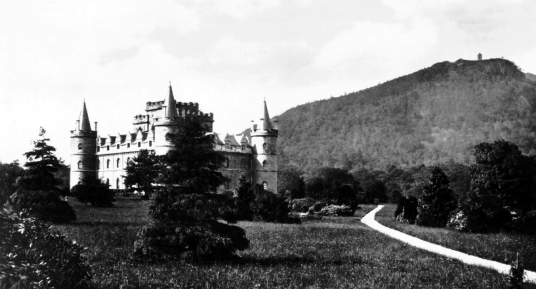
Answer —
243 9
374 48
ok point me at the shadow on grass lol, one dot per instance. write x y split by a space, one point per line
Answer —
106 223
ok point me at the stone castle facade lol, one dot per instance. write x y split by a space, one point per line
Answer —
252 153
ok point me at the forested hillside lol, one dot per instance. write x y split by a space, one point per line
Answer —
435 115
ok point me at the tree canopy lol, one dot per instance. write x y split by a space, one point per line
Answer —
142 171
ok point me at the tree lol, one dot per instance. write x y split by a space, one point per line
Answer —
8 176
185 213
436 202
289 179
94 192
38 189
245 200
142 171
331 184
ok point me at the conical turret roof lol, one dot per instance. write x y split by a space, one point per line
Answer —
267 124
171 107
84 119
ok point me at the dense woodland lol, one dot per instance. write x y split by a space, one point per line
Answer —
433 116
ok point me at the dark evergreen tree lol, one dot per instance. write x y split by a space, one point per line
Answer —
8 177
290 180
38 189
244 200
142 171
185 213
437 202
94 192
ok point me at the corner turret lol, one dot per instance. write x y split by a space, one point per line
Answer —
264 140
83 149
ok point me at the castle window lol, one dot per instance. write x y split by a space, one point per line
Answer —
108 182
79 164
98 149
264 147
128 145
264 163
117 146
243 147
150 143
242 163
226 162
139 144
118 161
107 148
227 146
108 164
265 185
117 183
79 146
98 164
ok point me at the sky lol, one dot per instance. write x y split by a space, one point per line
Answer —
226 55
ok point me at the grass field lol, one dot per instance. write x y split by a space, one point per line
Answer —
500 247
327 253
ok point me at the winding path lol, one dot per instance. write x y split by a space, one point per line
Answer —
368 220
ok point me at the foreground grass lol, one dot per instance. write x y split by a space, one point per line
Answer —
327 253
500 247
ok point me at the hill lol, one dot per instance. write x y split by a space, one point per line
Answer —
432 116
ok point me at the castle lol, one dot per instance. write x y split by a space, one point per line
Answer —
252 153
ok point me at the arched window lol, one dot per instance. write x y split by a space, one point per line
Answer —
118 161
226 162
128 145
139 144
265 185
79 164
117 146
117 183
108 164
264 163
98 164
264 147
79 146
107 148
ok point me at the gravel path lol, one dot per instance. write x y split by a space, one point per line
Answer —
368 220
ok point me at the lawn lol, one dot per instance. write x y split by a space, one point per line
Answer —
501 247
327 253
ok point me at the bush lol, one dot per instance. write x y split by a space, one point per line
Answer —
94 192
334 210
317 207
301 205
436 202
407 210
270 207
525 223
32 256
44 205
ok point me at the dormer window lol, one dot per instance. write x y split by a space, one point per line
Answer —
243 147
107 148
128 145
139 144
117 146
228 146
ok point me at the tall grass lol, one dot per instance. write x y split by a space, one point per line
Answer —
501 247
327 253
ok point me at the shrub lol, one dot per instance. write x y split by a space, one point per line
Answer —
408 213
436 202
525 223
270 207
44 205
301 205
32 256
335 210
94 192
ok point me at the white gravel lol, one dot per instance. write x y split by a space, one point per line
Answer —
368 220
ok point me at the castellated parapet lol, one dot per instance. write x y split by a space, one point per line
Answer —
252 153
